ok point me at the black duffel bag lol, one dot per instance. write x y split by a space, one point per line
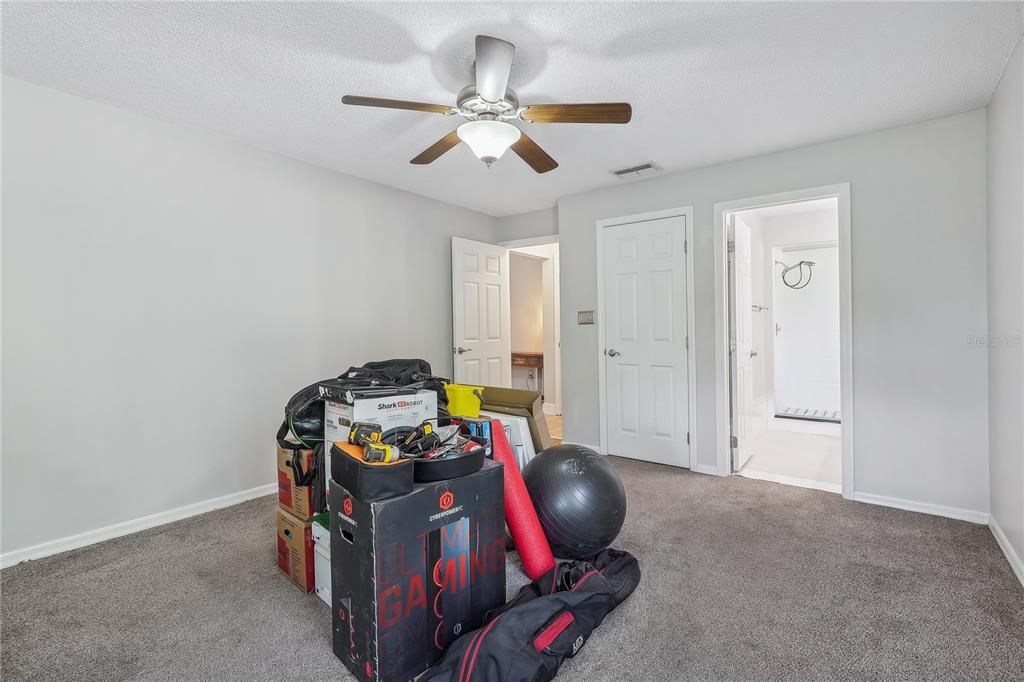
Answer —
548 621
304 412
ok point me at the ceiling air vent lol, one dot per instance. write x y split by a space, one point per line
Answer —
649 168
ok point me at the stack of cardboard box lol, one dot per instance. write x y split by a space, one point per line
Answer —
295 510
297 504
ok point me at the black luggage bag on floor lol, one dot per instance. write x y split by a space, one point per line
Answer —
547 622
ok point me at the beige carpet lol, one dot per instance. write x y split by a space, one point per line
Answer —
742 580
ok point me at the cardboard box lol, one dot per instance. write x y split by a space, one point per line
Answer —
412 573
296 500
295 550
389 407
521 403
517 430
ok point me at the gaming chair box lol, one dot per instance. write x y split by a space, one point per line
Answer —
411 573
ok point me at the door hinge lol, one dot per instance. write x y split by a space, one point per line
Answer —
734 442
686 342
686 246
687 437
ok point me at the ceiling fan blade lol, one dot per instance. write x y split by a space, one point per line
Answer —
493 65
431 153
530 152
578 113
358 101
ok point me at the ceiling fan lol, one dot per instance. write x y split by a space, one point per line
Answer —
489 105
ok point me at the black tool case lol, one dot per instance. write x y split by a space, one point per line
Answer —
369 482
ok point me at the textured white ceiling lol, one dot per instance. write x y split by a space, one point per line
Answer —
709 82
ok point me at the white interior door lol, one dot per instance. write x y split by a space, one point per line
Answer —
480 314
742 319
645 347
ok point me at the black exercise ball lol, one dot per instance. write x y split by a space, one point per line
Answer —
579 498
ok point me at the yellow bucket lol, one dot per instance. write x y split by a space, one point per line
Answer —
464 401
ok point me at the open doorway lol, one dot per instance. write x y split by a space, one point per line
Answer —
786 285
506 317
534 310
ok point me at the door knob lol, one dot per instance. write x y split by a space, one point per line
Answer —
612 353
460 350
753 354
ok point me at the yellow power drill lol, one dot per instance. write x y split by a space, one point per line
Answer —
368 435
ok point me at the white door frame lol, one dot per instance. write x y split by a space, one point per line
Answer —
556 371
841 192
691 353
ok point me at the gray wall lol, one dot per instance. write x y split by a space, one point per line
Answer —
540 223
1006 301
919 292
165 291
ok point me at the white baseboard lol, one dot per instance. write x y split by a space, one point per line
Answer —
595 448
924 508
1004 544
793 480
117 530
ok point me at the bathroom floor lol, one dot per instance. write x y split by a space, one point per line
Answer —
798 453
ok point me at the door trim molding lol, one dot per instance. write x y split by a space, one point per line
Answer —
841 192
691 354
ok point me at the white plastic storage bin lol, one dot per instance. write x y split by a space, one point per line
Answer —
518 431
322 562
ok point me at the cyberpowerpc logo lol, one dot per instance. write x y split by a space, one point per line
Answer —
447 504
345 514
400 404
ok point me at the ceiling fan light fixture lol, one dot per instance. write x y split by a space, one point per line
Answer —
488 139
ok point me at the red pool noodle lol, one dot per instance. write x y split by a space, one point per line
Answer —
520 515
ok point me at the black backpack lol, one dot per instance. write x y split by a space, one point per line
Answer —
547 622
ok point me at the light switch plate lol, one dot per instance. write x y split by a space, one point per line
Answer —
584 317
